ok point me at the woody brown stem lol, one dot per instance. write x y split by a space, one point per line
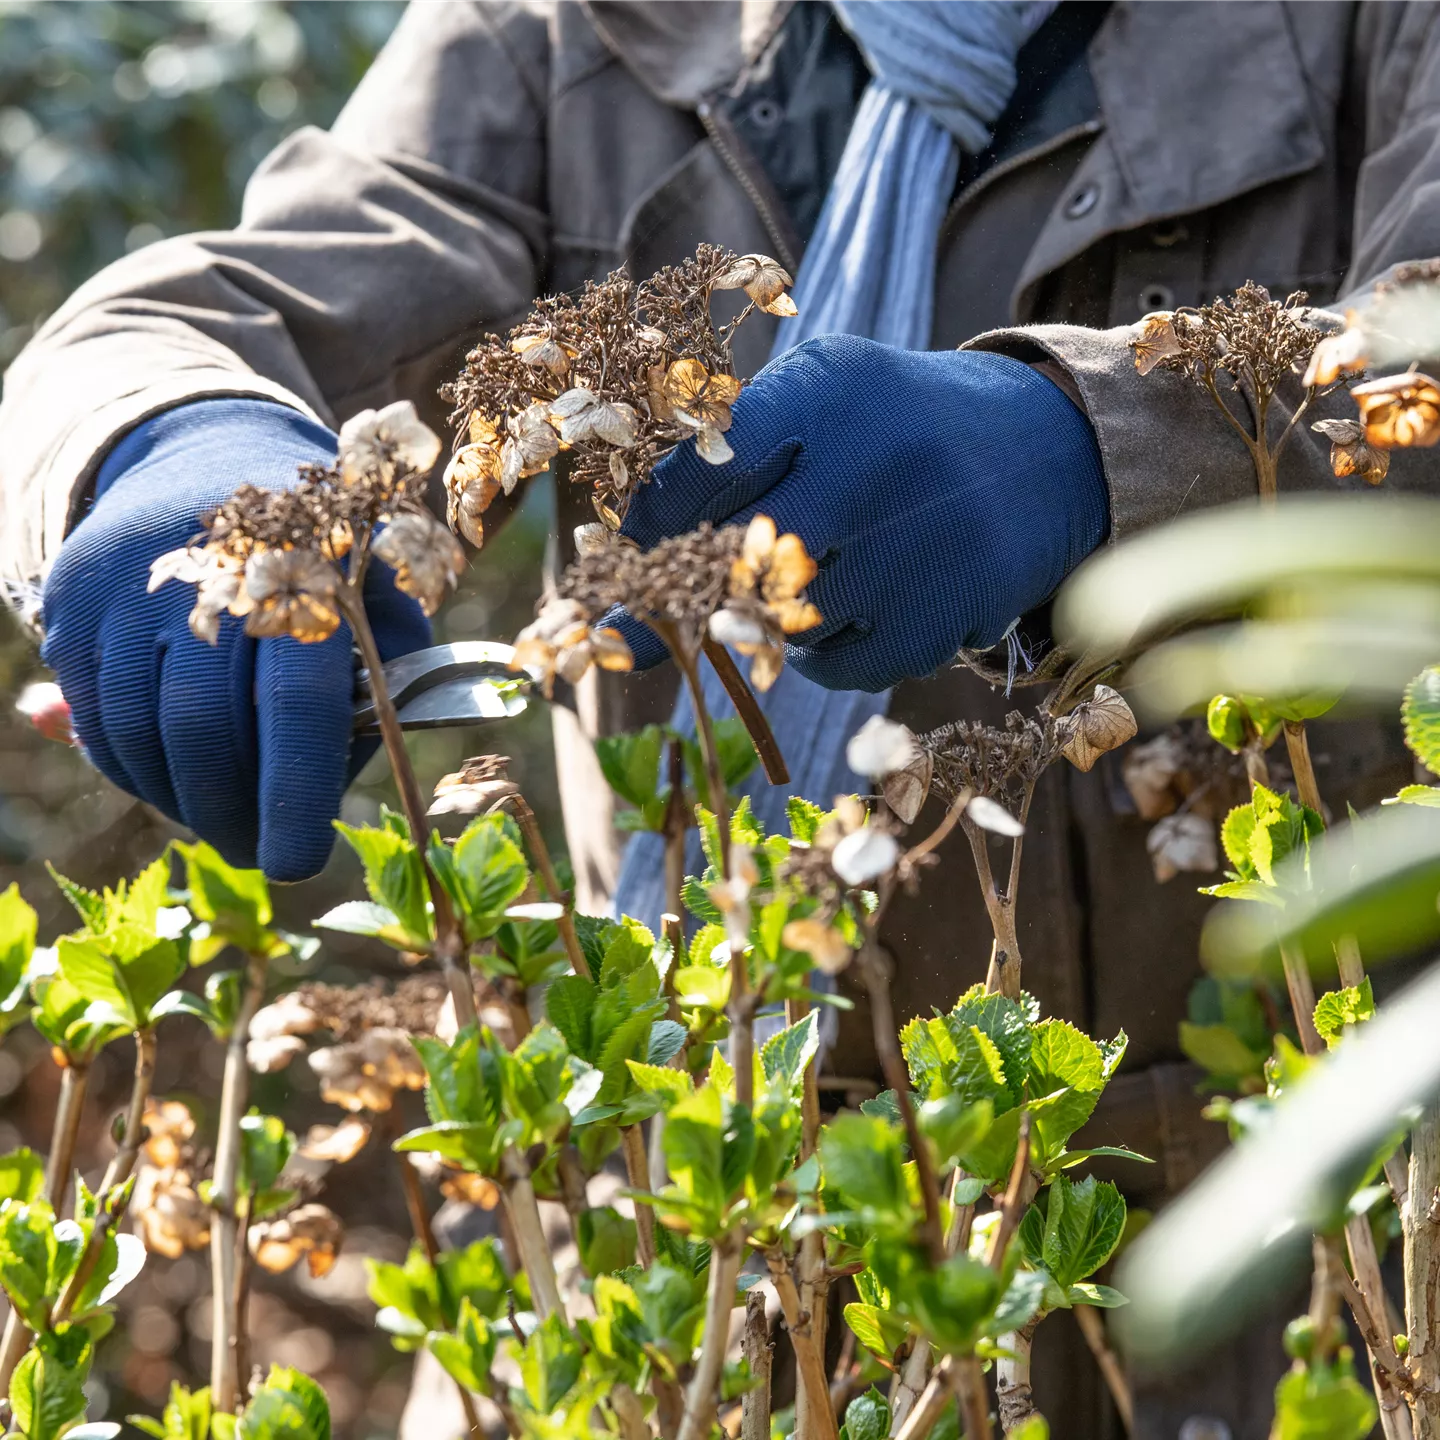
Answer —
224 1262
540 854
74 1080
420 1224
927 1410
1422 1274
749 711
699 1418
813 1383
637 1171
524 1212
874 970
1092 1327
449 942
758 1353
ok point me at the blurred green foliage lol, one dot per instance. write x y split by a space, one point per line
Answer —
121 122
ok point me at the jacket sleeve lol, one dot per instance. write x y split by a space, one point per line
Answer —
1165 448
364 258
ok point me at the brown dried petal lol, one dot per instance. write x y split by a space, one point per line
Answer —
1340 354
1154 340
335 1143
1351 453
764 280
1149 773
470 1189
704 398
610 649
766 666
826 946
168 1129
313 1232
267 1056
375 443
905 790
288 1015
170 1216
1104 722
292 592
531 445
1182 842
544 351
426 557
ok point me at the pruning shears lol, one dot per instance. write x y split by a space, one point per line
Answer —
468 682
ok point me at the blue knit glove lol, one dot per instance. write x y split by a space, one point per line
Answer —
943 493
246 742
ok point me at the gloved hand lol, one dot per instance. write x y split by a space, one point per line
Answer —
943 493
246 742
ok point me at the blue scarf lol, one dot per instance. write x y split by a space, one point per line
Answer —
943 71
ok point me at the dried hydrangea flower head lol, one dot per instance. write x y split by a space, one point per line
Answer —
1400 410
1248 336
309 1232
480 783
991 762
742 587
615 376
273 557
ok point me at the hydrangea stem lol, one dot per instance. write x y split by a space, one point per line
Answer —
637 1172
813 1382
530 1239
225 1259
449 942
699 1418
74 1080
540 855
758 1352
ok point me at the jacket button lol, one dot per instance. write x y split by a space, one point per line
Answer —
1083 201
765 114
1156 297
1204 1427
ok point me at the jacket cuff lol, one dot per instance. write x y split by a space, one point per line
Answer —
1164 447
69 472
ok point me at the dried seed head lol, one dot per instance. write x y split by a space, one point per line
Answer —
1351 453
1104 722
1400 410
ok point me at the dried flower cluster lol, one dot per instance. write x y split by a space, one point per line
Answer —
1187 785
745 588
169 1214
999 764
274 557
1255 340
615 375
374 1057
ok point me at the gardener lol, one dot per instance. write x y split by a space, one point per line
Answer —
1016 178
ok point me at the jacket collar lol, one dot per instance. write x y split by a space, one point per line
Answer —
1200 102
683 51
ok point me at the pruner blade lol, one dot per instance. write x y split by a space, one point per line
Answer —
468 682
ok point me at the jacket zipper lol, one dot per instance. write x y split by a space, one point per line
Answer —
736 166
